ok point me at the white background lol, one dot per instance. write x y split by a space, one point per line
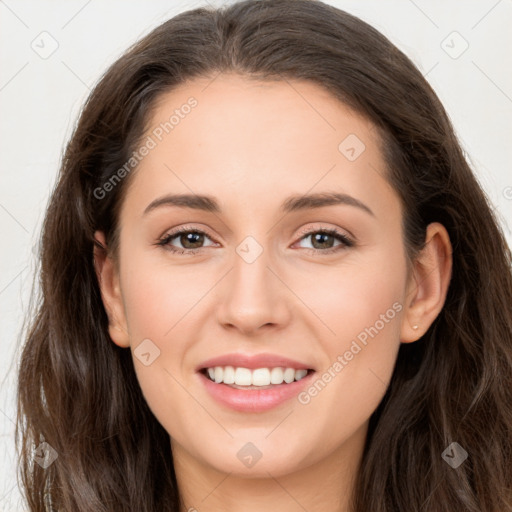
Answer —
40 99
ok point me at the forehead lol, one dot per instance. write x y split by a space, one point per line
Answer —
254 140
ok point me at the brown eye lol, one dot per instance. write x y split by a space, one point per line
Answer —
323 240
190 240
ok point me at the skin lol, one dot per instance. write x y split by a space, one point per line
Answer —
252 144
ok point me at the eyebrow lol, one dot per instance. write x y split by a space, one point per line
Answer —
291 204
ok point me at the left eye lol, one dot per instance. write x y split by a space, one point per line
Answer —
323 237
186 238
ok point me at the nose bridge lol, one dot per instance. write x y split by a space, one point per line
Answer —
252 295
250 265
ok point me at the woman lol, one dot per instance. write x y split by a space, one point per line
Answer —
190 352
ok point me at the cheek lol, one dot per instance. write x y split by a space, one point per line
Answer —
157 301
358 310
160 302
348 299
159 296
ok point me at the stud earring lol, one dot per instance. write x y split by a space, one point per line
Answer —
414 327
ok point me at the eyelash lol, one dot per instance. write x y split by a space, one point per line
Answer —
165 241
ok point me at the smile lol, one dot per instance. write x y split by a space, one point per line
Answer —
260 377
250 398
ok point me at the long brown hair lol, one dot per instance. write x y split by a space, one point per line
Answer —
78 391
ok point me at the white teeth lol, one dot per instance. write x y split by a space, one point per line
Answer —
257 377
229 375
218 374
289 375
276 376
300 374
242 376
261 377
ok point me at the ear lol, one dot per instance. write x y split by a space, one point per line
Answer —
427 286
108 279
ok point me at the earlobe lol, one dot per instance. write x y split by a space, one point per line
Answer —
428 284
108 280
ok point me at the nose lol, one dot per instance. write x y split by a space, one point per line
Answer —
253 296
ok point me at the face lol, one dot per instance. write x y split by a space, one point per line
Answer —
261 277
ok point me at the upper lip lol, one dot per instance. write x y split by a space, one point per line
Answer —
253 361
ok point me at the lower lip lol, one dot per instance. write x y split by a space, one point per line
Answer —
254 400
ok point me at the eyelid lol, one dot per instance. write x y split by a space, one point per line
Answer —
338 231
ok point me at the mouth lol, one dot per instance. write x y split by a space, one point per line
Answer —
254 390
259 378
